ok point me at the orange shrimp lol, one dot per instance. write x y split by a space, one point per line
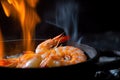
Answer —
23 61
11 62
46 46
29 60
54 55
64 55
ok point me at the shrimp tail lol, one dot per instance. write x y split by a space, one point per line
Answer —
61 38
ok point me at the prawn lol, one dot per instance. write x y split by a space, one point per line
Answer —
64 55
46 46
29 60
53 55
11 62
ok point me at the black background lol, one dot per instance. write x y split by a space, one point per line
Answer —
94 17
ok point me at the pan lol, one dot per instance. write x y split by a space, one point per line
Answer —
84 70
76 71
15 47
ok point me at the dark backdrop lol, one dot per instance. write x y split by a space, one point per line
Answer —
98 22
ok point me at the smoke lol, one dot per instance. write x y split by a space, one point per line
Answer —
67 18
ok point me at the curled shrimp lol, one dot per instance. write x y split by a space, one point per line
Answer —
46 46
29 60
54 55
64 55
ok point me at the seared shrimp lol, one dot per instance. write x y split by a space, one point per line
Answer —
11 62
29 60
54 55
64 55
46 46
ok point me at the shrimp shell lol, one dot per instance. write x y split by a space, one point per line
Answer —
29 60
64 55
11 62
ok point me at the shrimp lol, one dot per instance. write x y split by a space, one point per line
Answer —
53 55
46 46
11 62
29 60
64 55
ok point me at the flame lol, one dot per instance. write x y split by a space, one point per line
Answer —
25 11
1 46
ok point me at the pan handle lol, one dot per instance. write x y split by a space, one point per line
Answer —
108 65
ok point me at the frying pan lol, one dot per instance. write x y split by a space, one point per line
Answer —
77 71
85 70
14 47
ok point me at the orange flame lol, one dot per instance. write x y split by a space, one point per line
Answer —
25 11
1 46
